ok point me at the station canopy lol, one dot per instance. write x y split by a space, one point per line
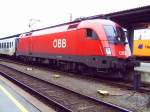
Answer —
136 18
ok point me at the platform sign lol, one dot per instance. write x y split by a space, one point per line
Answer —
141 42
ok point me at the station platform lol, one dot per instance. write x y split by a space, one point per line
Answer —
144 69
12 101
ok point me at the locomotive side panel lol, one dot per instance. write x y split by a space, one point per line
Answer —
63 43
23 46
89 45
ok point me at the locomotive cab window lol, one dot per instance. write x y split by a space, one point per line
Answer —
115 34
91 34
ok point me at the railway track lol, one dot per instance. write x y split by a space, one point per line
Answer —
119 83
66 100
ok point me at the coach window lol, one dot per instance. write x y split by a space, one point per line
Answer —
7 44
0 45
10 44
91 34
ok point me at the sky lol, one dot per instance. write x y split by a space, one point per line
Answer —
16 15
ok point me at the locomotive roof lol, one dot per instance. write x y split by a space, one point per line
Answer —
78 20
68 26
103 21
17 35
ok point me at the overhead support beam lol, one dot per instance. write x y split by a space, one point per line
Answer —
130 37
141 25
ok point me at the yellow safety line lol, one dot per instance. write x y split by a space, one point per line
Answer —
21 107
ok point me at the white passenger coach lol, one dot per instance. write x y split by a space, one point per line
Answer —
8 46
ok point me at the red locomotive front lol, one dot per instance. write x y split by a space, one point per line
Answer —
95 43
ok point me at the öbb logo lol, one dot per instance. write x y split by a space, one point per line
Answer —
140 46
59 43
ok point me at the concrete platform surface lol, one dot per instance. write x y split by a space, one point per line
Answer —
144 69
15 99
10 101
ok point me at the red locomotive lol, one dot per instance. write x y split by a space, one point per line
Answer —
97 43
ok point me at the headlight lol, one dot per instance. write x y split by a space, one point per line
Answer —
108 51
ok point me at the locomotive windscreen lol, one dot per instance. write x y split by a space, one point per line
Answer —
115 34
